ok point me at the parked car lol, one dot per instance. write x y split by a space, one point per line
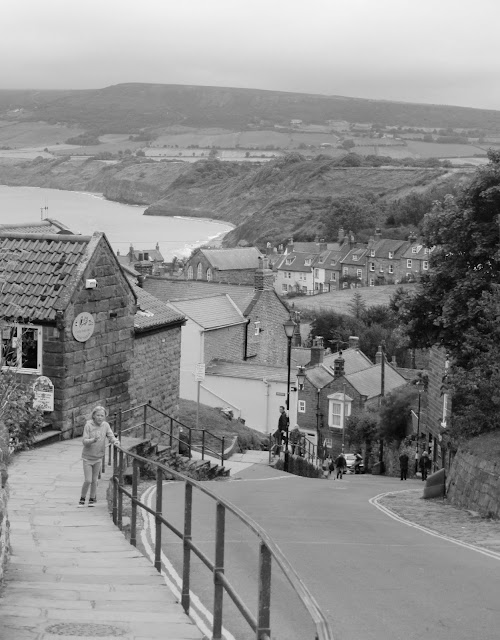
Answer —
350 460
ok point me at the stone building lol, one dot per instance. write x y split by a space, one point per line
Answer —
233 266
69 313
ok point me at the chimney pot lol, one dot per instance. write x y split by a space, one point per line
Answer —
378 355
317 351
338 367
353 342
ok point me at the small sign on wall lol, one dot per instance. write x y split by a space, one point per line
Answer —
83 326
44 394
199 373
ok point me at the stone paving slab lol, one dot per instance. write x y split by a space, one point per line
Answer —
442 517
71 572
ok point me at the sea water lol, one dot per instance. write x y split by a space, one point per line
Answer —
123 224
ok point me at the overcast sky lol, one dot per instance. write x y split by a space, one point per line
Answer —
434 51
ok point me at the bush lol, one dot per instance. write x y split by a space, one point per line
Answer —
300 467
23 422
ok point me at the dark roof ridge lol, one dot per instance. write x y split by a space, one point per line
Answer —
57 237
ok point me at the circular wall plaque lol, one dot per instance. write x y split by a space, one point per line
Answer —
83 326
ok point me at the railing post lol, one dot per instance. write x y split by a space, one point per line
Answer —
133 516
120 494
264 594
144 421
171 431
270 448
120 425
222 452
159 496
218 569
190 441
115 485
203 444
186 563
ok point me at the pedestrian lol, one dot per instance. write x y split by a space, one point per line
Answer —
283 427
95 432
403 465
340 465
277 442
424 463
294 439
326 468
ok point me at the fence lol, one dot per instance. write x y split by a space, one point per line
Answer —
269 553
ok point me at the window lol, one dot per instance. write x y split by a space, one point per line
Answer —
190 272
426 250
199 271
257 327
336 406
316 286
209 275
307 262
290 260
425 265
302 406
372 282
372 253
344 285
284 288
355 257
345 271
333 276
316 273
336 414
289 275
22 348
408 264
333 263
359 274
372 266
391 268
391 255
414 249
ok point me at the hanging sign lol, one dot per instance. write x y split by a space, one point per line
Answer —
43 390
83 326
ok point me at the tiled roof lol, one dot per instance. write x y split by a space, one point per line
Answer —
172 290
211 313
360 251
300 356
49 225
228 259
319 376
298 261
368 381
247 370
154 255
354 360
382 247
126 266
40 272
153 313
419 254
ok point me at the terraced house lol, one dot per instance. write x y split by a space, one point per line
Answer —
232 266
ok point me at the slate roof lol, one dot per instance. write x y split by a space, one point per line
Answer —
49 225
153 313
382 247
361 251
419 254
247 371
229 259
367 382
40 272
211 313
354 360
319 376
298 262
172 290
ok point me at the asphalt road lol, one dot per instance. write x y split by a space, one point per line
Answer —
374 578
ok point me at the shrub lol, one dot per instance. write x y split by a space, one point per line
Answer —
300 467
23 422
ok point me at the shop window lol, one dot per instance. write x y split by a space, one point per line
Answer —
22 348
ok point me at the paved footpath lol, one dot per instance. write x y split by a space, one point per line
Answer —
72 572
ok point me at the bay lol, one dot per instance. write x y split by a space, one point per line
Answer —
123 224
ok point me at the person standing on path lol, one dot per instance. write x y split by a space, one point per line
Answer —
283 425
95 432
403 465
340 464
424 463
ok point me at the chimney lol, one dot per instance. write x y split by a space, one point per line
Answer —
297 338
269 248
353 342
394 361
157 246
316 239
317 351
378 233
280 248
322 245
338 367
264 277
378 355
140 281
341 235
289 247
351 238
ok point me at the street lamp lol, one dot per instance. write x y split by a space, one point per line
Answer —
289 327
420 387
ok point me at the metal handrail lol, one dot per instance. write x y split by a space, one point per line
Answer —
268 550
118 418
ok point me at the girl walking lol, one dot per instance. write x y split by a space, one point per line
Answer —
95 432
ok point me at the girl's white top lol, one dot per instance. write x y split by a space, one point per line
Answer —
95 450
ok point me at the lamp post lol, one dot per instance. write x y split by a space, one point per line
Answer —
420 387
289 328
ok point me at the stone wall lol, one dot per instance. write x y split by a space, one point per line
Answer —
4 497
155 373
270 345
96 371
227 343
474 484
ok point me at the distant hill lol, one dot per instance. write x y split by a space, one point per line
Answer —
126 108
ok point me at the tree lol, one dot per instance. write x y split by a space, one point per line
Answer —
357 306
395 412
349 212
348 144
